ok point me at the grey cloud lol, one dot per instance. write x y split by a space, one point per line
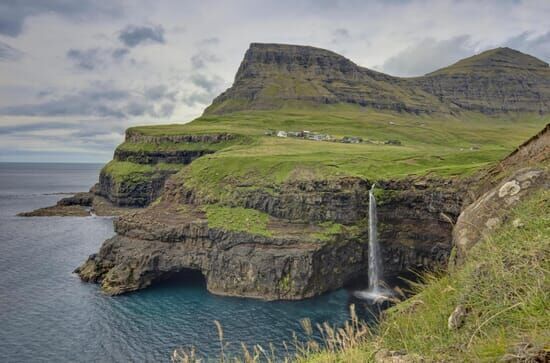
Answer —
539 46
137 108
166 110
202 58
210 85
83 128
194 98
100 99
340 34
88 59
428 55
13 13
156 93
95 58
120 53
133 35
9 53
209 88
24 128
210 41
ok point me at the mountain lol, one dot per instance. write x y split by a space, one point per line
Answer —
273 76
497 80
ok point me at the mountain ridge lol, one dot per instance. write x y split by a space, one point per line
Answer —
273 76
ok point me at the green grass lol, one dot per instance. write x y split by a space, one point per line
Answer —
504 284
438 145
125 171
431 145
237 219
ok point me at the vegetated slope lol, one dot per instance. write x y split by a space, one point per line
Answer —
504 290
272 76
276 75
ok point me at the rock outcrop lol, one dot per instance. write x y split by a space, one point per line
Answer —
142 186
153 245
522 173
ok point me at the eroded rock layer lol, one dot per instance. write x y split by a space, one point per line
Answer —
293 262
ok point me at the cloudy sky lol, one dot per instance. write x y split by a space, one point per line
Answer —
75 74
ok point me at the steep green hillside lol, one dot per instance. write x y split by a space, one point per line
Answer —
504 288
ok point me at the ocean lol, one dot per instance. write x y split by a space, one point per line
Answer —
48 315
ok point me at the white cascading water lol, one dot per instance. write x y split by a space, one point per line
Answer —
374 291
374 249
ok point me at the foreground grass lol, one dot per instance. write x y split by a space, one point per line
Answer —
504 286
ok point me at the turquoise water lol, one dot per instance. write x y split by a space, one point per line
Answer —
48 314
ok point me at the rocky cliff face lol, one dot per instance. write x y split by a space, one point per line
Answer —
294 262
143 154
276 75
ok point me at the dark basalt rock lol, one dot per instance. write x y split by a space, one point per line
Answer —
155 157
132 193
415 233
84 199
233 263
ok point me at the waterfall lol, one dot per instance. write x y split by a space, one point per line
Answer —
375 292
374 249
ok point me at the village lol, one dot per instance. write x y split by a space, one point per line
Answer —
316 136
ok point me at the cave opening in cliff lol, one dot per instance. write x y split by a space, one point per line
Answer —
181 277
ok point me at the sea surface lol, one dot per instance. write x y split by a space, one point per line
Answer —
48 315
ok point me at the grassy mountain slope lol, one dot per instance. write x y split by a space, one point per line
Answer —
504 288
497 80
274 76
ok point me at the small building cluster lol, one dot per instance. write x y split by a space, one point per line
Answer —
308 135
316 136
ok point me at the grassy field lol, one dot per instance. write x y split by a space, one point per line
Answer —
436 145
439 145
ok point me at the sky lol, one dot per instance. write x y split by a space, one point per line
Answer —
75 74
